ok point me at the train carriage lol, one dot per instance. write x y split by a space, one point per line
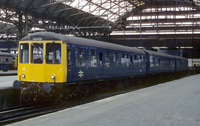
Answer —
6 61
159 62
90 59
181 63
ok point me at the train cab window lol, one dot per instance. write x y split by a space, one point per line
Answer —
80 57
37 53
107 59
92 58
53 53
116 59
69 60
24 53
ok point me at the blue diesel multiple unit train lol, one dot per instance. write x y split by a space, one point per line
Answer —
66 59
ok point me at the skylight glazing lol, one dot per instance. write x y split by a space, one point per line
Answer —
107 9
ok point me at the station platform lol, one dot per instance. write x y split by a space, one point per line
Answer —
7 81
9 72
175 103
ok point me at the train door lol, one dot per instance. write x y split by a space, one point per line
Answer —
70 63
101 63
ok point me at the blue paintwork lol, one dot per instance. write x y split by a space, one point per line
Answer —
101 71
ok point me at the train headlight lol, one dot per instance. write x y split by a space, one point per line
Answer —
23 75
53 76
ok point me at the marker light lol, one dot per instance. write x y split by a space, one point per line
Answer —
52 76
23 75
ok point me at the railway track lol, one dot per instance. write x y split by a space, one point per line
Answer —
20 113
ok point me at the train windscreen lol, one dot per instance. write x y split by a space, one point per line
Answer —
37 53
24 53
53 53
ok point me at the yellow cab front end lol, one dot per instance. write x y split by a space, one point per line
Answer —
42 63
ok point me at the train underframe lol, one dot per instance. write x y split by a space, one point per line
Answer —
33 92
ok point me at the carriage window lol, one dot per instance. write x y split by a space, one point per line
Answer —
37 53
69 60
6 60
135 57
131 59
100 59
24 53
80 57
53 53
140 61
123 60
152 60
116 59
107 59
92 58
135 61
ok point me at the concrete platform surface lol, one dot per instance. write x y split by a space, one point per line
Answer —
9 72
7 81
175 103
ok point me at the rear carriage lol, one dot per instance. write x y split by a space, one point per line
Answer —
6 61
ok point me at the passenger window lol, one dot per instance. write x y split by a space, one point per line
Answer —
100 59
123 60
107 59
80 57
127 60
131 59
24 53
141 61
135 60
6 60
135 57
37 53
92 58
69 60
53 53
152 58
116 59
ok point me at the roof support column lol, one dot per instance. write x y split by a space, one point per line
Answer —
20 26
26 24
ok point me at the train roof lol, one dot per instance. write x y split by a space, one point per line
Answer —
80 41
179 57
158 54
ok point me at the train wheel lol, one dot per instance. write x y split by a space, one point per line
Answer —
25 95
